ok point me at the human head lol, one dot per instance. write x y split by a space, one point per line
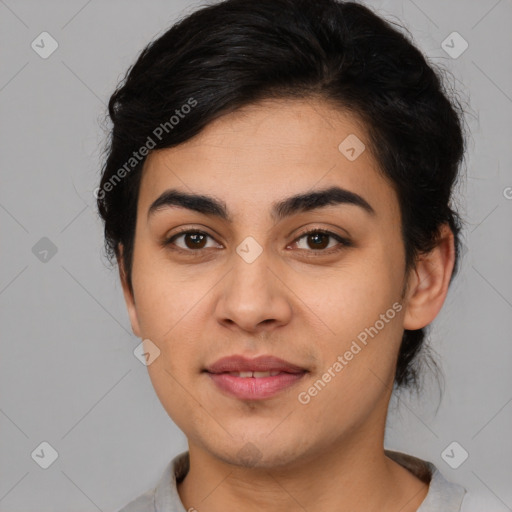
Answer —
236 53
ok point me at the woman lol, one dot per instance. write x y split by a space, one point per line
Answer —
277 195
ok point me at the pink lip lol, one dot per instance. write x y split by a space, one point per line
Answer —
254 388
265 363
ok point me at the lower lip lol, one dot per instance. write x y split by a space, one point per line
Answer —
254 388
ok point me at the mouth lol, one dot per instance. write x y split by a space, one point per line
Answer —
254 379
247 386
261 364
256 375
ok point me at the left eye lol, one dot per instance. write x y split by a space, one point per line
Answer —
318 239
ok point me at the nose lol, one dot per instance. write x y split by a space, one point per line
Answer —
252 296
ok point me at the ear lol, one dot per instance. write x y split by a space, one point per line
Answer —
429 281
128 295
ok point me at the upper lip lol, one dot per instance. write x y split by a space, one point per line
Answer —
265 363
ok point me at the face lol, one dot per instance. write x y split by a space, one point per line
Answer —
252 283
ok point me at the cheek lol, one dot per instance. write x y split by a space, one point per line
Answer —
349 299
163 296
361 315
171 313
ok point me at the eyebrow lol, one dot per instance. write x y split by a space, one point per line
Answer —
308 201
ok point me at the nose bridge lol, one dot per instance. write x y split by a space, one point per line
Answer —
250 268
251 293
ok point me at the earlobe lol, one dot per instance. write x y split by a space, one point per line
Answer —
429 282
128 294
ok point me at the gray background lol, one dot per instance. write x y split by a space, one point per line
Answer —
68 375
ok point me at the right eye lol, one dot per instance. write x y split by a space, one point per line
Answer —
194 240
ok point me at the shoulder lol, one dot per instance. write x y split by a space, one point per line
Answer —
143 503
479 502
164 496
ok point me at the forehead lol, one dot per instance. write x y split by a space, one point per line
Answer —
267 151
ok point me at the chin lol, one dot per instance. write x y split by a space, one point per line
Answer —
257 453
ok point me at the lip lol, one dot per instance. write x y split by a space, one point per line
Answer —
251 388
254 388
264 363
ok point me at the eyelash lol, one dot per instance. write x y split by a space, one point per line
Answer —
343 242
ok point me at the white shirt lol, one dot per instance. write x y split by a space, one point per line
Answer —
442 496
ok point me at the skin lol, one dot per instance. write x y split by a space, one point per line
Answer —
326 455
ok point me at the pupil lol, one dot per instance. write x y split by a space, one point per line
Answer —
316 238
195 237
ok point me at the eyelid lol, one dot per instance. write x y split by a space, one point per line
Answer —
324 231
342 241
169 241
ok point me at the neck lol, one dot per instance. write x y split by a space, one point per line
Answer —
343 477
